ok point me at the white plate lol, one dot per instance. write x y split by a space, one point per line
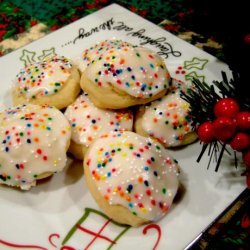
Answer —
42 217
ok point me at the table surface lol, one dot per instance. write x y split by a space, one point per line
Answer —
23 21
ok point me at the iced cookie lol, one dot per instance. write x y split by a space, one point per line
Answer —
132 178
125 76
97 50
89 122
167 119
34 140
54 81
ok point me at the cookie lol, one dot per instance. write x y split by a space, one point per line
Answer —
97 50
34 140
89 122
132 178
54 81
124 76
167 119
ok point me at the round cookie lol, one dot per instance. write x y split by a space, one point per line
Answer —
125 76
34 140
167 119
132 178
89 122
54 81
97 50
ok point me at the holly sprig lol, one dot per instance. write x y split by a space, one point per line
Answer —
202 97
221 117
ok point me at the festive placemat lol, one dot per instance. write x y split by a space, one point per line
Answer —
25 21
231 230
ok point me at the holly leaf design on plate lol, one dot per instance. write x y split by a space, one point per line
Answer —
28 57
195 63
47 53
190 76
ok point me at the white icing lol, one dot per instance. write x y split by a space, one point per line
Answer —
89 122
135 172
97 50
33 141
136 70
168 119
43 78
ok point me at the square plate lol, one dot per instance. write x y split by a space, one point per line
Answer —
60 213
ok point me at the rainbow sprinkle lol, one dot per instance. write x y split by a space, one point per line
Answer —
135 172
136 70
43 78
27 136
168 119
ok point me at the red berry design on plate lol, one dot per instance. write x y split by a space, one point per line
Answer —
240 141
226 107
206 132
243 120
224 128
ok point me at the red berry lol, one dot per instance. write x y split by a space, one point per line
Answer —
240 141
243 120
33 22
206 132
226 107
247 39
246 158
224 128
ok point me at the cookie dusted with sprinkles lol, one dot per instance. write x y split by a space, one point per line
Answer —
33 144
124 76
97 50
167 119
132 178
54 81
89 122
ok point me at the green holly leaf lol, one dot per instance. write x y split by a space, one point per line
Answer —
47 53
27 57
195 63
190 76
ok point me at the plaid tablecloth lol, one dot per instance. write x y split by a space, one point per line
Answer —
23 21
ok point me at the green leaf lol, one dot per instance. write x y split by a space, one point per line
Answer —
47 53
195 63
28 57
193 75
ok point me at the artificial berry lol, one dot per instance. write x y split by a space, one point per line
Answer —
206 132
226 107
246 158
243 120
224 128
247 39
240 141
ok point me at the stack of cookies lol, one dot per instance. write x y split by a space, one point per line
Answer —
121 110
